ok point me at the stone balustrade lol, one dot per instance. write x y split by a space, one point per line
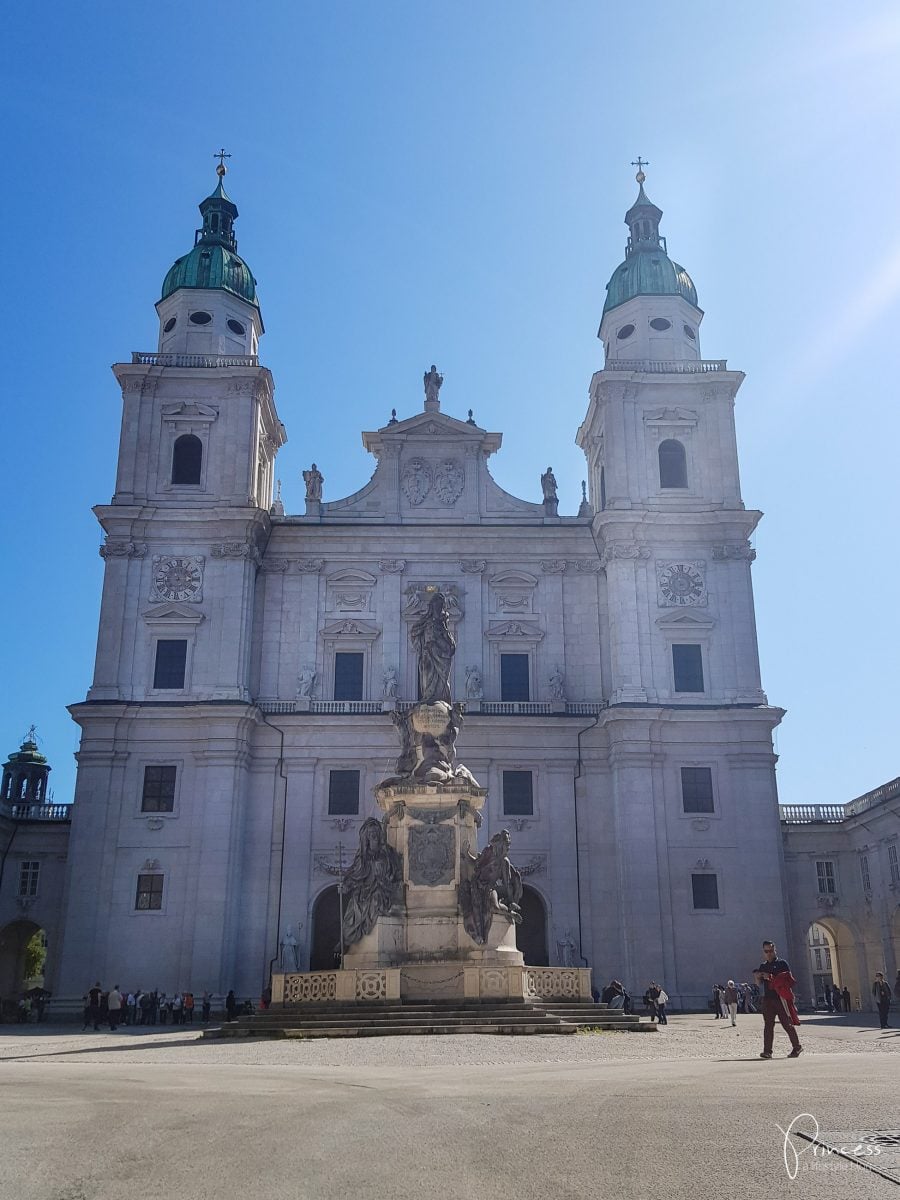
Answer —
37 812
678 366
150 359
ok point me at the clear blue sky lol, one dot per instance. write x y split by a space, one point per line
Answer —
430 182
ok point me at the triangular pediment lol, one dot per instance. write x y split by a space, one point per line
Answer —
682 619
175 614
431 426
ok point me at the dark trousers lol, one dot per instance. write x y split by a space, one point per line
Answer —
94 1010
883 1010
773 1008
661 1014
114 1015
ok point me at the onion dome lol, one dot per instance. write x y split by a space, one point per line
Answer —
214 261
647 269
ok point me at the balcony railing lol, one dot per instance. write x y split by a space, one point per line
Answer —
677 366
37 812
149 359
808 814
499 708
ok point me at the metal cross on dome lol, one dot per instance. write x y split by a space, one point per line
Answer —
221 155
640 164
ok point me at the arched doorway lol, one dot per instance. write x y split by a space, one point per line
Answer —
847 957
326 931
531 935
23 950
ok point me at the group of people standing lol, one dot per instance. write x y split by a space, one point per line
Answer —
837 999
728 999
116 1008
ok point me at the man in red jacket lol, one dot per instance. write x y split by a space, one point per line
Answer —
777 1001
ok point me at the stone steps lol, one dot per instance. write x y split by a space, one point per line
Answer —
390 1018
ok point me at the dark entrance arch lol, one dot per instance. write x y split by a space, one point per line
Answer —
531 935
326 931
16 971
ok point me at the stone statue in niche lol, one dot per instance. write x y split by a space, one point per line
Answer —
435 647
493 886
567 949
307 681
474 686
289 947
389 687
313 479
432 380
557 684
373 884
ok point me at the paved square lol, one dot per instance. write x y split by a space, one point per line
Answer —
688 1112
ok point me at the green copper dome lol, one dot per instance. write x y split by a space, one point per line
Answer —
647 269
214 261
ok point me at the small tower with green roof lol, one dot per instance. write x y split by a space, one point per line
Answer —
25 774
209 303
651 310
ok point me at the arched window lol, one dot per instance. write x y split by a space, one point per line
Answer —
187 459
672 465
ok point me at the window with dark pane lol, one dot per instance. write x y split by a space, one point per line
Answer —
171 657
514 677
697 789
149 892
687 666
348 676
672 464
29 873
706 891
518 794
825 877
187 459
158 794
343 793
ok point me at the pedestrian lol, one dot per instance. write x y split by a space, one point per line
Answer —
114 1007
94 996
660 999
85 1011
731 1000
188 1008
845 995
881 990
146 1003
650 1003
206 1007
717 1006
129 1009
163 1008
778 1000
230 1006
178 1009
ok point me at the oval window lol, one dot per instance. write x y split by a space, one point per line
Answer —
236 327
625 332
690 333
169 325
660 323
200 318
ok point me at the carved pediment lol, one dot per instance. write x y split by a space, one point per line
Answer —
352 575
685 621
516 579
189 410
351 628
525 630
172 613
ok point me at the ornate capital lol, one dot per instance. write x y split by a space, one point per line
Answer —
472 566
589 565
111 549
392 566
275 565
553 566
741 550
310 566
236 550
625 550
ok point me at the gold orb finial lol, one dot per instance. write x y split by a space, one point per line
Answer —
640 164
221 155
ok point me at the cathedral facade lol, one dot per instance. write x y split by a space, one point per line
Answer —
249 660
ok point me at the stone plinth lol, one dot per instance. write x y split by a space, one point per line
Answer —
434 829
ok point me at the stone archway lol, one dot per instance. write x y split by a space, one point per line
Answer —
14 940
848 959
326 930
531 935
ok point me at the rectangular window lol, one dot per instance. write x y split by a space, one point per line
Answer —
825 877
697 789
149 892
343 793
158 794
348 676
827 959
706 891
817 954
514 677
518 794
171 657
893 864
687 666
864 872
29 873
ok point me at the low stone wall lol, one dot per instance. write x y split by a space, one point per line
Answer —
432 982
